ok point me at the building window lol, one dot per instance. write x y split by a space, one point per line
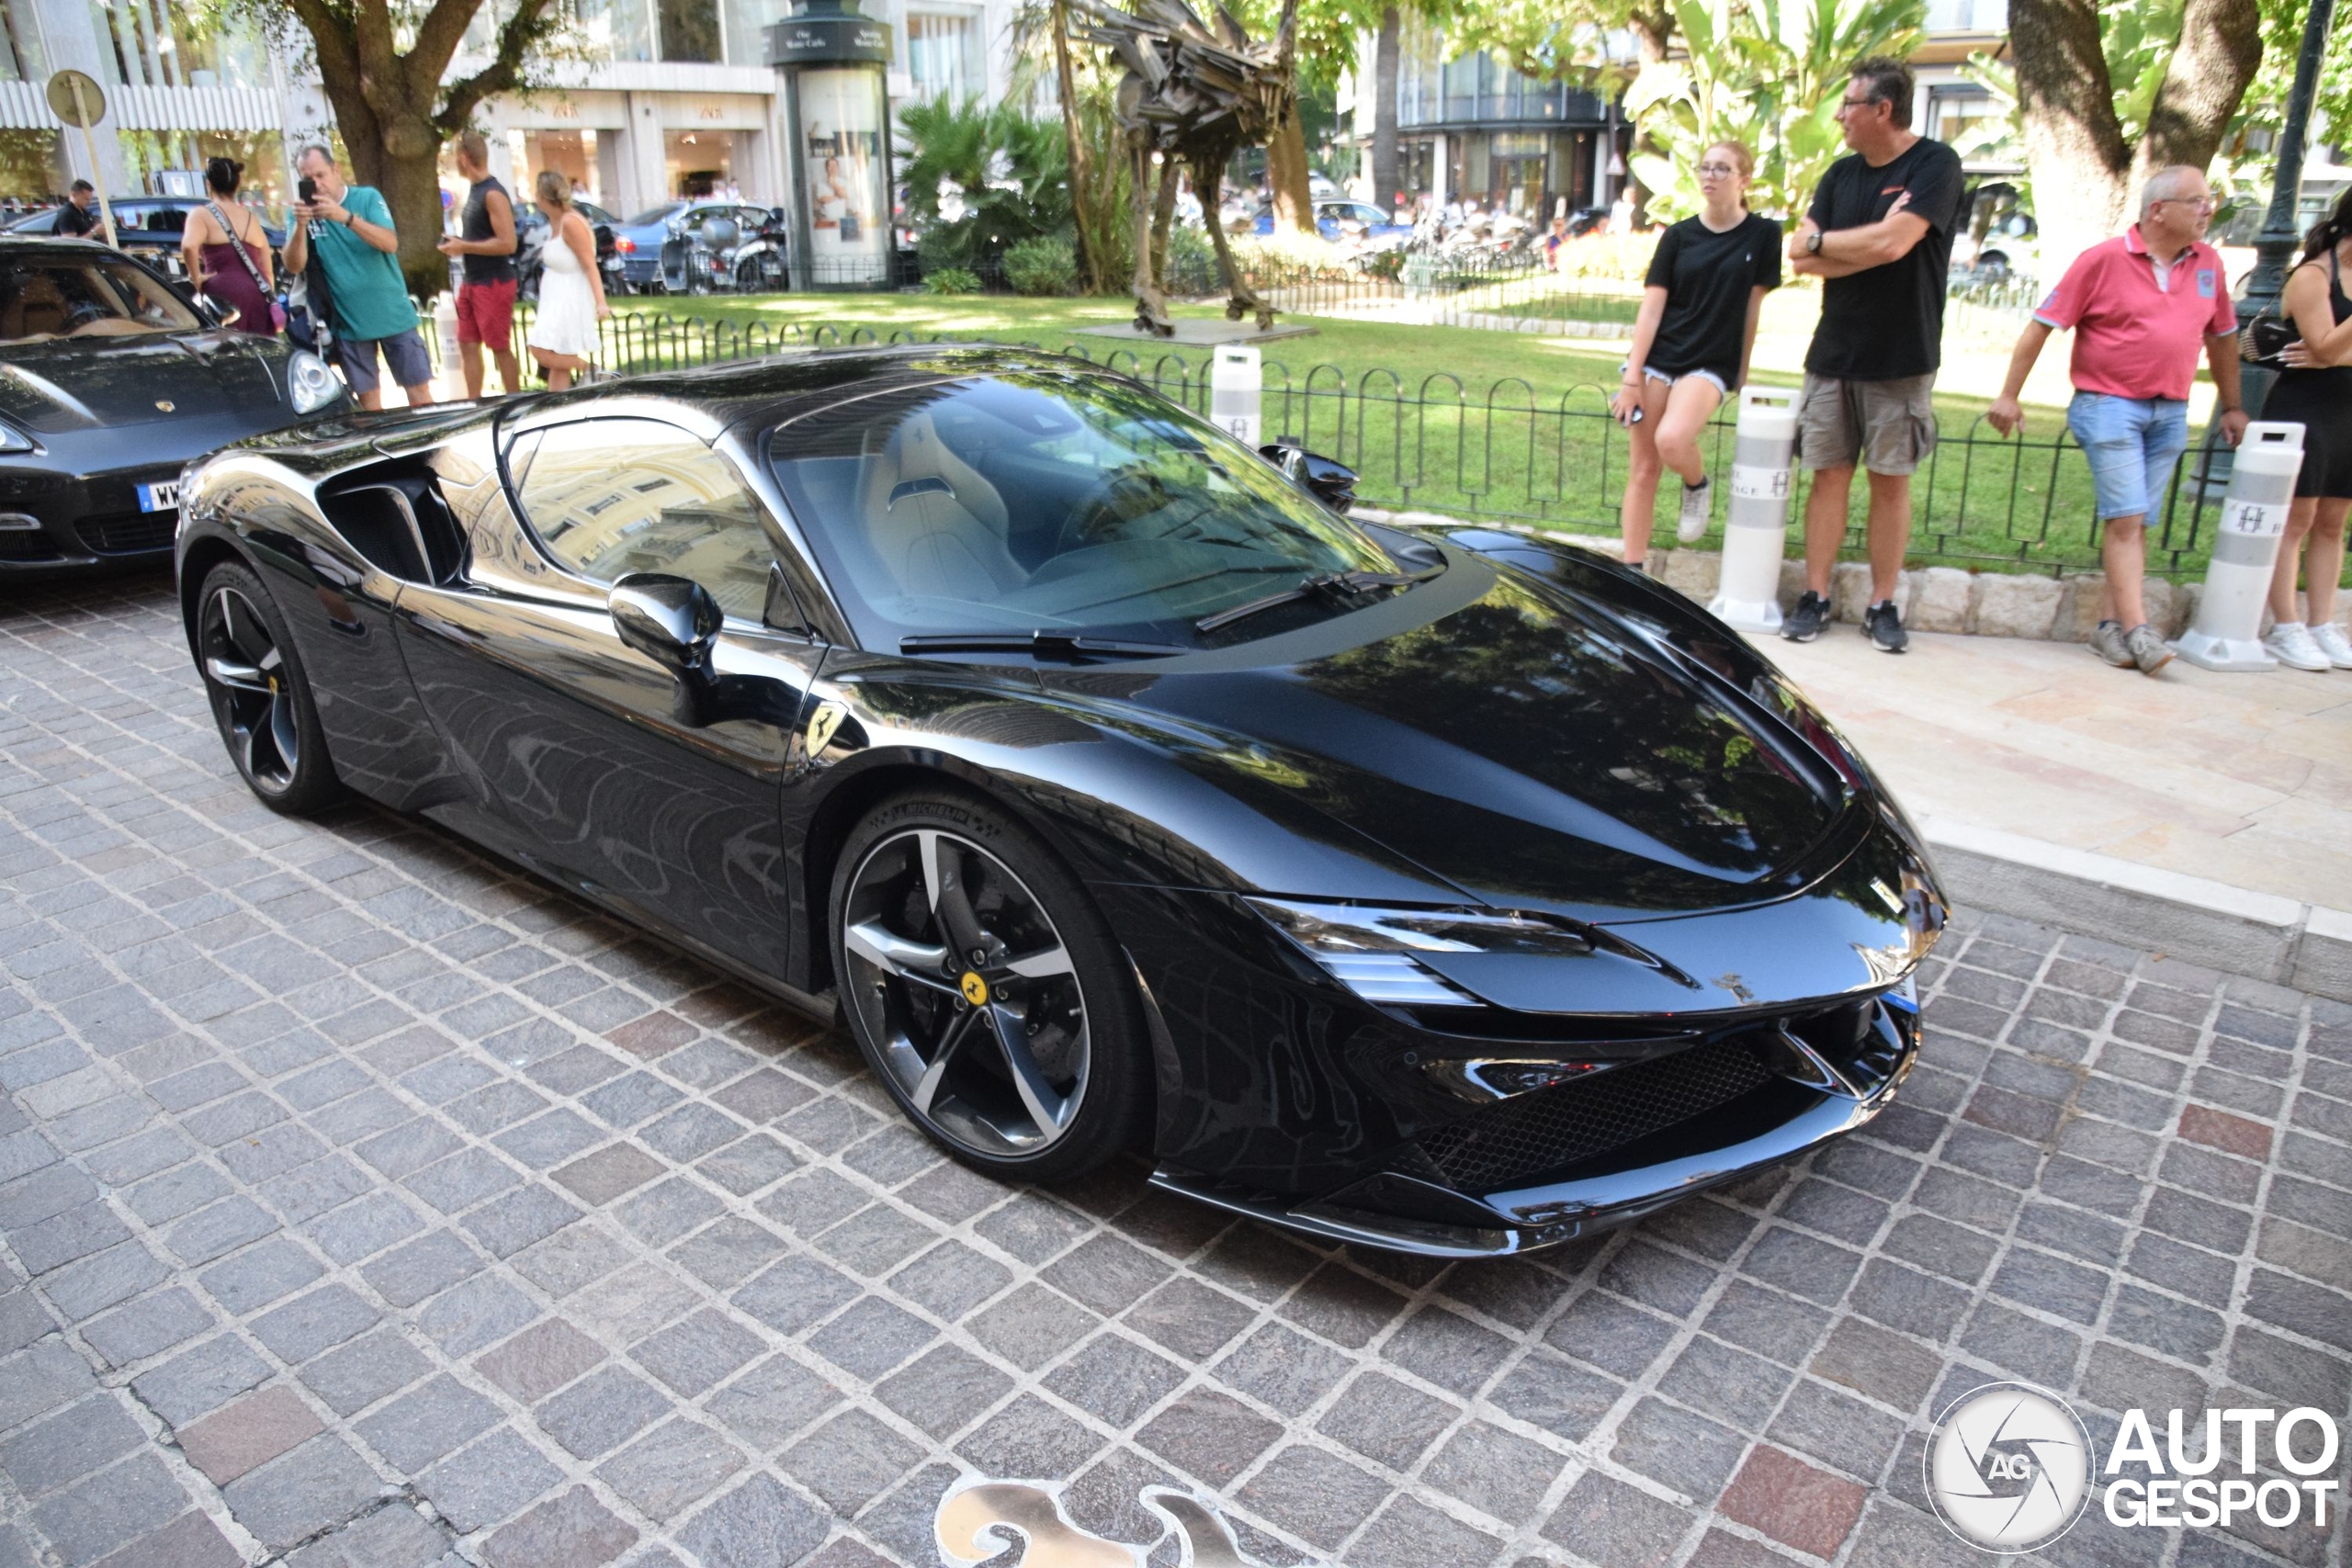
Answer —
690 32
944 55
1968 121
1968 17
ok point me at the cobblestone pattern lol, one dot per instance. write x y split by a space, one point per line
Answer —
365 1202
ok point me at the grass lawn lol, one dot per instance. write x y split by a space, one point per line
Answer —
1466 421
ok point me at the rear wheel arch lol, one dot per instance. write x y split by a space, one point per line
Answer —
203 555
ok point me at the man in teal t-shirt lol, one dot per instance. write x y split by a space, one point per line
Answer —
353 229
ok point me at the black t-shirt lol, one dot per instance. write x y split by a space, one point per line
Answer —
1708 277
1887 322
72 219
476 225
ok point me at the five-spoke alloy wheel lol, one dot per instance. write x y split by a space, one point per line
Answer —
259 695
981 986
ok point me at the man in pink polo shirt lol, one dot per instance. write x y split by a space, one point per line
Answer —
2139 306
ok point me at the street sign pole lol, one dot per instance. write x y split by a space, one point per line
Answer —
74 96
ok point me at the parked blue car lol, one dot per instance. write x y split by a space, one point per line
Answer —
1339 220
640 240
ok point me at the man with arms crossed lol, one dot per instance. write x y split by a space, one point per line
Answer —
1879 234
2140 307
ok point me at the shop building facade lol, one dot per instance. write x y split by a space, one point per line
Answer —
677 97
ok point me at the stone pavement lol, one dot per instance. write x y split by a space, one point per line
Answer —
2244 780
367 1202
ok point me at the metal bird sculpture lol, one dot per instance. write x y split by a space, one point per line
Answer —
1191 94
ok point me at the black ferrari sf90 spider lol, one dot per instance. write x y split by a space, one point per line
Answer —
1443 890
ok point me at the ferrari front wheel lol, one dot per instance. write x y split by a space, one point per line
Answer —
984 990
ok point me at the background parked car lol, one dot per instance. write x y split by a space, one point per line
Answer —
149 228
1343 219
120 382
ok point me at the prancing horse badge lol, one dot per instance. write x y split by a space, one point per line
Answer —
821 725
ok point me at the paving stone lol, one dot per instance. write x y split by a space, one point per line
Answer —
673 1467
251 1432
1315 1495
1794 1502
601 1411
541 1360
357 1375
1610 1522
198 1380
759 1524
849 1460
420 1426
492 1480
311 1488
148 1327
82 1438
572 1530
135 1498
1114 1379
480 1311
698 1352
780 1396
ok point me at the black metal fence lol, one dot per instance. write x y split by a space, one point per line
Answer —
1506 451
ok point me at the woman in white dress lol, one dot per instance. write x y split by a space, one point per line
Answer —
571 294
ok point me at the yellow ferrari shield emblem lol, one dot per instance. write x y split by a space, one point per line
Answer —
975 990
821 725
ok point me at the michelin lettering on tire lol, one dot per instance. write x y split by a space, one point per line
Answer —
2008 1466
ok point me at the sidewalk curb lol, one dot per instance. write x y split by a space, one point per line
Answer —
2260 935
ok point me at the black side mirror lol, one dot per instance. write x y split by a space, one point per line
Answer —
1329 481
672 620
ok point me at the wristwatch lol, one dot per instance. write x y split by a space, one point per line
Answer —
1812 243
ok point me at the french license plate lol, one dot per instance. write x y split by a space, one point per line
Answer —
162 497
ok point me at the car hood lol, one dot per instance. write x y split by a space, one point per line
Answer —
85 383
1533 746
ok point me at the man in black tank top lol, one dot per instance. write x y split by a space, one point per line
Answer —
485 243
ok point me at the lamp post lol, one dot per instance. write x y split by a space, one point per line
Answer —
2279 235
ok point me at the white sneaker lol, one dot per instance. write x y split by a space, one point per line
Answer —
1692 527
2291 644
2331 640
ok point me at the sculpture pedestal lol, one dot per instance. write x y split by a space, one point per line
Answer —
1193 333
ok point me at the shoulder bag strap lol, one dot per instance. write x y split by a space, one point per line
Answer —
238 244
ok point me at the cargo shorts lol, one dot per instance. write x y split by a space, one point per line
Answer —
1888 426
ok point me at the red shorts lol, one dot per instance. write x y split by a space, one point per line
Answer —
486 314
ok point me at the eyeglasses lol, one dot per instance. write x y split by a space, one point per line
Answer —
1861 103
1717 171
2202 203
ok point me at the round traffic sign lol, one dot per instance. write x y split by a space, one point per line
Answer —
62 93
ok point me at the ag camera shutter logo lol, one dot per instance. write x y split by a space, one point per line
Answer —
2008 1466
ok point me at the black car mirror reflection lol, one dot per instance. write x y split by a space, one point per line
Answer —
672 620
1328 479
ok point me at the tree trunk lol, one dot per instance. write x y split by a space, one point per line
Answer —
1091 267
1387 183
1286 172
1653 34
411 187
2073 143
2219 50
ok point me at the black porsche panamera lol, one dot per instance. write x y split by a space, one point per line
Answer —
1452 891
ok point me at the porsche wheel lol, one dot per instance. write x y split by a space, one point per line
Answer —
260 698
984 989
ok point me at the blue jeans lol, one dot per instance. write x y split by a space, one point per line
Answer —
2133 444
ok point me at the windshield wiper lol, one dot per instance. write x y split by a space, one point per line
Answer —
1042 644
1334 584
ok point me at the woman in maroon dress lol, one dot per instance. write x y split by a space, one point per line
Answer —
228 253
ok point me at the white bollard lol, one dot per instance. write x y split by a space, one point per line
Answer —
2227 634
445 337
1235 387
1747 594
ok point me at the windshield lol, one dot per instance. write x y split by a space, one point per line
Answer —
1051 500
661 214
85 296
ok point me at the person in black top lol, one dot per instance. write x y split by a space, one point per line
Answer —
1697 326
485 245
1879 234
79 216
2315 391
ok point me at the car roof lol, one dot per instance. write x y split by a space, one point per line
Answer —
764 393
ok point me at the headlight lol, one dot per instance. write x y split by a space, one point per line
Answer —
1371 950
309 385
14 440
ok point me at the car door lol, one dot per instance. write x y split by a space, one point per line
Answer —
596 762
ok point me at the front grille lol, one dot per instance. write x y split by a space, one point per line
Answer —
126 533
25 545
1557 1127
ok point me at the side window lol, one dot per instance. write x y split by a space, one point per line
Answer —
608 497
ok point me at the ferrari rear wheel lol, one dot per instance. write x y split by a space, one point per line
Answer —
984 989
260 699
